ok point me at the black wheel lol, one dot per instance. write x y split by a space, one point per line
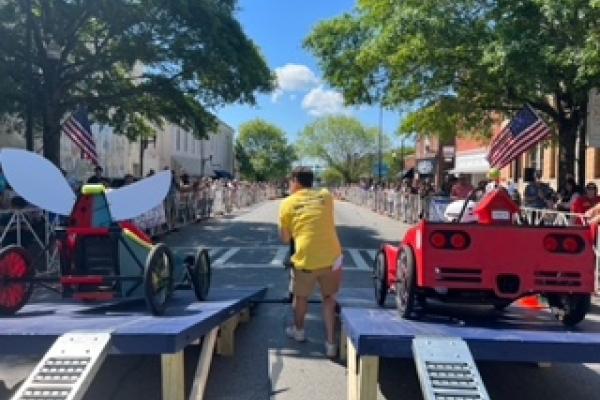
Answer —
158 278
200 274
14 264
570 309
380 278
405 282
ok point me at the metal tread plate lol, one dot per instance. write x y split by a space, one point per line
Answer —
447 370
67 369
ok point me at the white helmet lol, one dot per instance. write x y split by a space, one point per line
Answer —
454 209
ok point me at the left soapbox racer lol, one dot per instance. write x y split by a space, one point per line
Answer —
103 255
480 255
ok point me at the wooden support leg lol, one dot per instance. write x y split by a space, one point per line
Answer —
362 375
173 383
544 365
226 340
352 367
343 344
203 367
245 315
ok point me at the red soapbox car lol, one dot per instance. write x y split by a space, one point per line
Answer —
492 261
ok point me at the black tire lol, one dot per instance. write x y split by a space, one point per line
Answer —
570 309
158 278
200 275
406 282
380 278
14 263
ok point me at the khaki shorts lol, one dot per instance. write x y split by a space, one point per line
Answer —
303 281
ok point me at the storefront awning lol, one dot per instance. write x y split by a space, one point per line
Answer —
190 165
470 164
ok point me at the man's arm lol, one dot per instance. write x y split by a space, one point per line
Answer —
286 236
285 223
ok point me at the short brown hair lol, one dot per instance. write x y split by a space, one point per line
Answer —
304 176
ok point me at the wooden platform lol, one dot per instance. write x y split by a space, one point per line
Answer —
210 324
516 335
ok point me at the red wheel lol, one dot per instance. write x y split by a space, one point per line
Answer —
14 264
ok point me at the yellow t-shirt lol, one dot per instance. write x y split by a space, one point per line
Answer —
308 216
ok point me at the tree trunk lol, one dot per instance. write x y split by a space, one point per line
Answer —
51 138
567 138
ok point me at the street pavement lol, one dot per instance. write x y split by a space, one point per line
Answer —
245 251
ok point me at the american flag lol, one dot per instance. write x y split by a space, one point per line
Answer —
77 128
522 133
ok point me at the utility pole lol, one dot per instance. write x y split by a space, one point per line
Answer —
402 153
379 144
29 86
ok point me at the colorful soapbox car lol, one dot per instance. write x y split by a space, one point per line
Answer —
103 255
493 260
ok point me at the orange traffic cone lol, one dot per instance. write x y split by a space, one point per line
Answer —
531 302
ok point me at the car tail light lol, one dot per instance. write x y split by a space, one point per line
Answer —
438 240
450 240
458 240
563 244
551 244
570 245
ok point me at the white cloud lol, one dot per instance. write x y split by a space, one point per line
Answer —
320 101
293 78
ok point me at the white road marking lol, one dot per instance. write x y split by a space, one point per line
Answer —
228 254
279 256
358 263
358 260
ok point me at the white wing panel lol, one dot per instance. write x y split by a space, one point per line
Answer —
37 180
132 200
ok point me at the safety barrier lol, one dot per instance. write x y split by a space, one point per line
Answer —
408 207
188 206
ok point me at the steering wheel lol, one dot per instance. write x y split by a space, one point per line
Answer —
470 197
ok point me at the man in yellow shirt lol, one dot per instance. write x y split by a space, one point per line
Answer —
306 217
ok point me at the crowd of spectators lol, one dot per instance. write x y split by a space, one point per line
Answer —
535 194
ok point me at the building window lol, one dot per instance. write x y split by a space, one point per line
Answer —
178 142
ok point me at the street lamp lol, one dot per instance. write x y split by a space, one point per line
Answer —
379 140
29 106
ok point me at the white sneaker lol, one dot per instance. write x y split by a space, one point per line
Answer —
293 333
330 350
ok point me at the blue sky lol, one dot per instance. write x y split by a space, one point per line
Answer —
279 27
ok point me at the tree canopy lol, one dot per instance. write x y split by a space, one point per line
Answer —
132 63
455 63
344 143
263 152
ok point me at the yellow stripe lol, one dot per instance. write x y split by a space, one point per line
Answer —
136 239
92 189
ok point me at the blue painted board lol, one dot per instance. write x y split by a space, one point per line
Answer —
134 330
517 334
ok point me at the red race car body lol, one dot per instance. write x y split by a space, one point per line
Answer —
494 261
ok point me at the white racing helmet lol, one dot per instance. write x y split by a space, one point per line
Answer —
453 210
